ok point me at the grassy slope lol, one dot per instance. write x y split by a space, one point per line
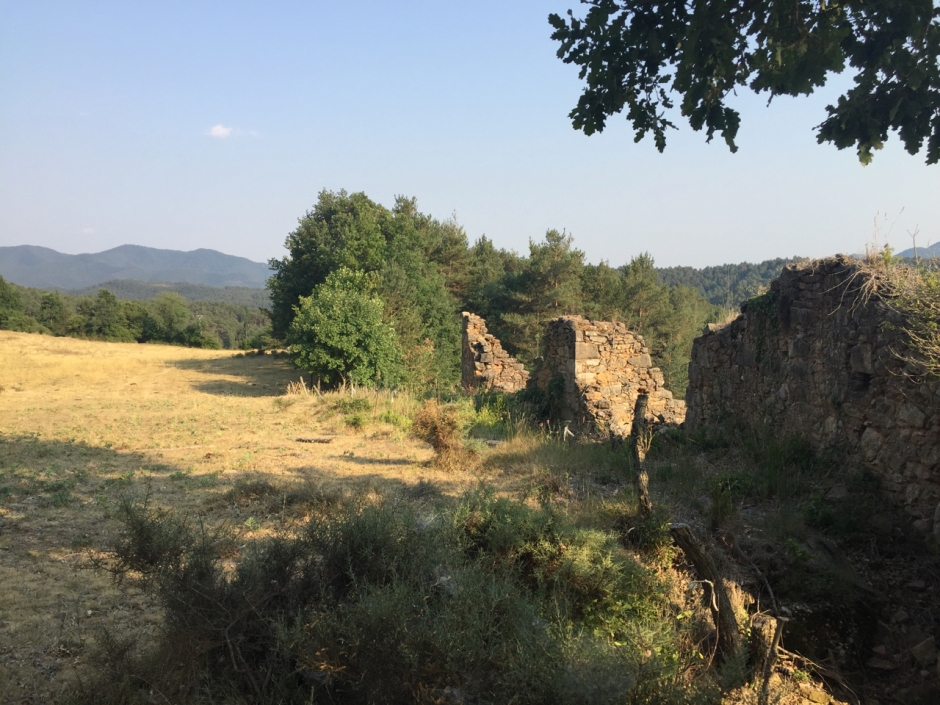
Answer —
83 422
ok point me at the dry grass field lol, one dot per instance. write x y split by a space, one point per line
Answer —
83 424
217 438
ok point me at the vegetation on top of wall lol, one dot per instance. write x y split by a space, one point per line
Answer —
912 288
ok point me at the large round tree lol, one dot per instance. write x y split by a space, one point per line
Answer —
338 334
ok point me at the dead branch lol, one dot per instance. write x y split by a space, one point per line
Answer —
726 626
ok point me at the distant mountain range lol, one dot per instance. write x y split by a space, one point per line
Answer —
43 268
923 252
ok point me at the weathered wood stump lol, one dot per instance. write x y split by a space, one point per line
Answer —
726 626
639 445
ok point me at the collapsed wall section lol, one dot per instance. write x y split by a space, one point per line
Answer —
484 363
818 358
599 369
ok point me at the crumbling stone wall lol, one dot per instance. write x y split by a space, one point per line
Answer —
816 358
601 368
484 363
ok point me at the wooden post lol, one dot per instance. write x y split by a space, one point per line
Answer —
639 445
726 625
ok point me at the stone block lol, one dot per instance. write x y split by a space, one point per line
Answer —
860 359
911 416
584 351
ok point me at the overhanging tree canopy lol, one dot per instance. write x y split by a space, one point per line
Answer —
635 55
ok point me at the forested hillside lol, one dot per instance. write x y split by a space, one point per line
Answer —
410 275
727 285
168 318
136 290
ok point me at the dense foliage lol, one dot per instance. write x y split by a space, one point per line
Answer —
169 318
488 601
424 272
339 335
135 290
727 285
406 253
637 56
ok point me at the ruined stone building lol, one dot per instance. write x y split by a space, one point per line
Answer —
595 369
484 363
817 359
600 368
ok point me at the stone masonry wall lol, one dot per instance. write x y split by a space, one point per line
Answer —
815 359
603 368
484 363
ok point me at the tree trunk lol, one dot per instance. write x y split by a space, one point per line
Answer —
639 445
726 625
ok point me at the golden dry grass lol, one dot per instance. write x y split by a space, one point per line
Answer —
214 437
83 423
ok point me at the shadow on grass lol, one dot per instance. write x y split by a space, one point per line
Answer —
360 460
50 472
260 375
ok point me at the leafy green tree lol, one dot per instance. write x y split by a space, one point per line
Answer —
168 318
135 318
11 303
548 286
342 230
418 262
339 334
672 340
489 270
638 56
645 301
414 288
104 319
53 313
603 290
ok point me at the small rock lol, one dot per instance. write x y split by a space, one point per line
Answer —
814 695
925 652
913 636
837 492
880 650
881 664
916 585
900 617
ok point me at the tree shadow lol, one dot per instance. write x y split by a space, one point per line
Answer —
258 375
419 489
360 460
60 513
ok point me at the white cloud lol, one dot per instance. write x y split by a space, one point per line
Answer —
220 131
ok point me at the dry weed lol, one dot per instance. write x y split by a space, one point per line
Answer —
442 426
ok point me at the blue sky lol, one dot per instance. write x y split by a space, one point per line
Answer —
215 124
